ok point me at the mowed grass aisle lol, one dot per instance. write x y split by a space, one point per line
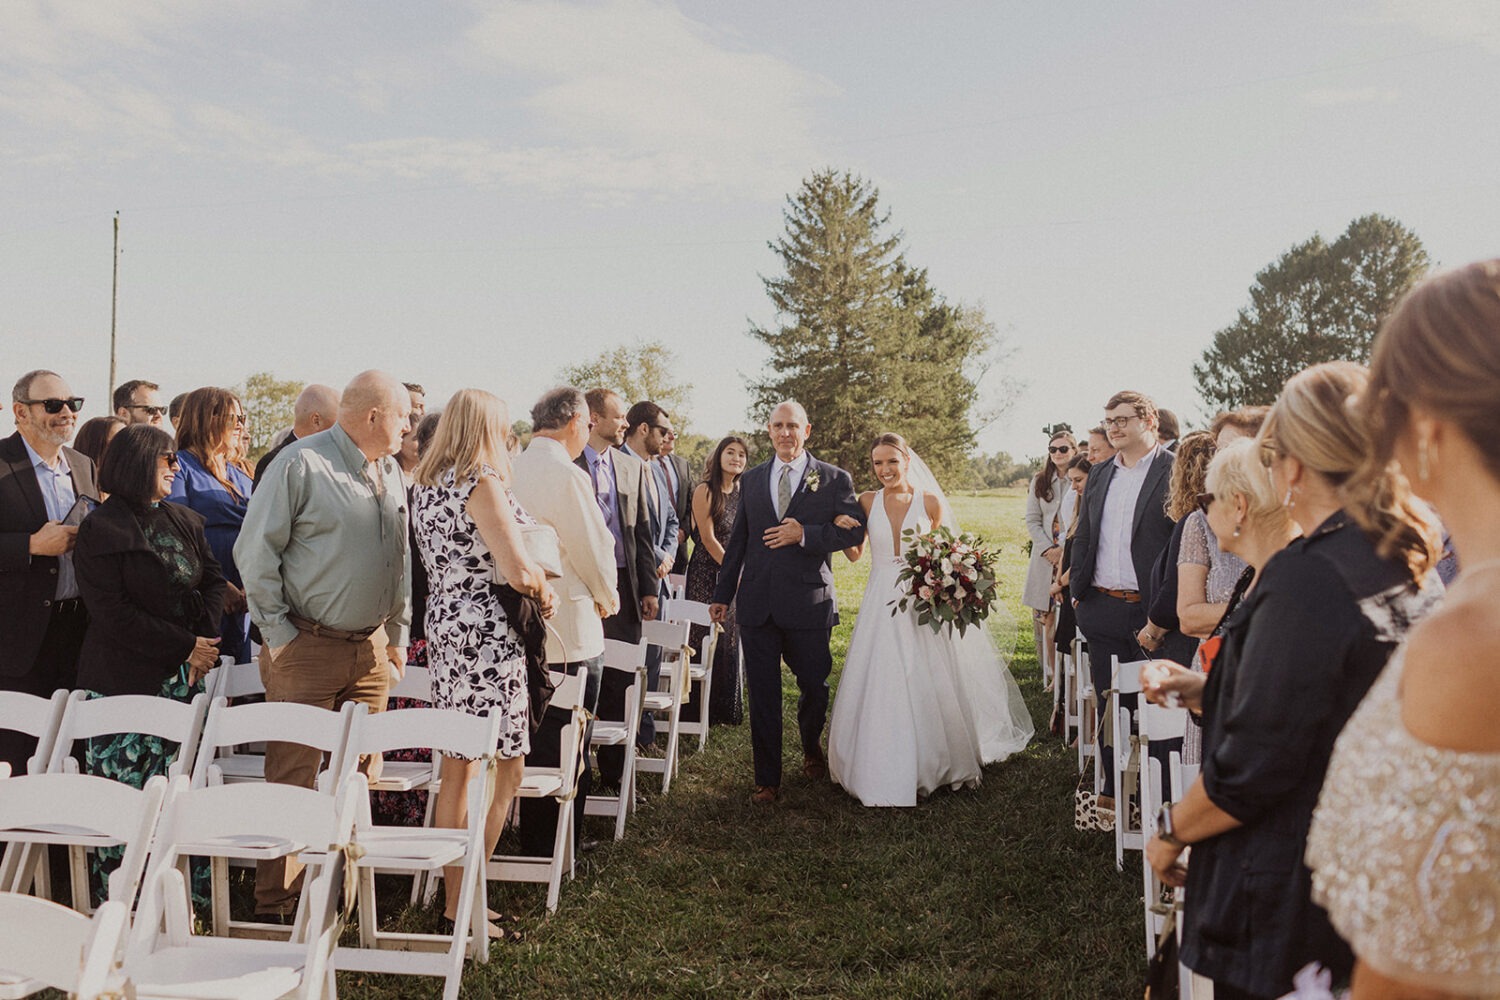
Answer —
979 893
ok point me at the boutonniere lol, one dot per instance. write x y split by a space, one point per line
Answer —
812 480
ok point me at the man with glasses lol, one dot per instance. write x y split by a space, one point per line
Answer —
136 402
45 490
1122 531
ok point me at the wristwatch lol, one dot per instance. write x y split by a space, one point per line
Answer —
1164 828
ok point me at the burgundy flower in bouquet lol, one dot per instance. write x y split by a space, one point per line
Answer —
947 580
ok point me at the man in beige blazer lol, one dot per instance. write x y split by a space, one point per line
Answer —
556 492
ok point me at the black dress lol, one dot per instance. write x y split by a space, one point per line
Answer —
1297 656
702 575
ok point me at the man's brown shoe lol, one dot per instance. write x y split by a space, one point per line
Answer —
765 794
815 768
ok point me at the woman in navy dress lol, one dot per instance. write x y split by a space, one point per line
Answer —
210 483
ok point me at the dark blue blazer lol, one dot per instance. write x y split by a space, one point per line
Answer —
1151 529
791 587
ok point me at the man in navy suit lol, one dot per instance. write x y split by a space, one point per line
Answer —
776 560
1121 533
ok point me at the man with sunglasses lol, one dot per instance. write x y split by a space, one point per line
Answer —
45 488
1122 531
137 402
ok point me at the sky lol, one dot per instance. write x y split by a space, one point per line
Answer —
477 194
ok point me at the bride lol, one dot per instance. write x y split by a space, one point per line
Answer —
916 710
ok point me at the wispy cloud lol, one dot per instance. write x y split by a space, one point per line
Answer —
616 99
1328 97
1476 21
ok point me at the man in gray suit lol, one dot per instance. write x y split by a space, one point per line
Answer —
621 489
680 489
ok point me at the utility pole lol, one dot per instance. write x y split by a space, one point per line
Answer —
114 307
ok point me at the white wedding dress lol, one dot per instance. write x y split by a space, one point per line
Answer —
916 710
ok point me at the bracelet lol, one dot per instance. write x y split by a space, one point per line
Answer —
1164 827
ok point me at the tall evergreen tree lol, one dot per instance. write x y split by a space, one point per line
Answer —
1317 302
865 343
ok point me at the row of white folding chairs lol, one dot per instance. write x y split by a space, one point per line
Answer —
161 826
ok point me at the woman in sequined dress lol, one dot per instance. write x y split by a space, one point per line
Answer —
1296 657
715 502
1405 845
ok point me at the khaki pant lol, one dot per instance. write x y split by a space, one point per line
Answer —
314 670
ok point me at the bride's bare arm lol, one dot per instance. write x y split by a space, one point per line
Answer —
934 509
853 552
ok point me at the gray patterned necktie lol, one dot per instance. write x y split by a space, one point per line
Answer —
784 492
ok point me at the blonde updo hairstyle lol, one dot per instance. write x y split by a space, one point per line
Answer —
1236 470
1313 422
1439 350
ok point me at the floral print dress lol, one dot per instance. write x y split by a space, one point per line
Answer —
476 658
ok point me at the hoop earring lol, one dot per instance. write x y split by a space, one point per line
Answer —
1424 469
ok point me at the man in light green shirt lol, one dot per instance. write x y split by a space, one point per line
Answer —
324 557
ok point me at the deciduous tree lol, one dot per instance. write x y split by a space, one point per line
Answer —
637 371
269 403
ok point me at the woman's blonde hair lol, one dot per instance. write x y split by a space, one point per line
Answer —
1313 422
1192 457
1236 470
473 432
1439 350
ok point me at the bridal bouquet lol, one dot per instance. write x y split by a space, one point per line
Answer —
947 579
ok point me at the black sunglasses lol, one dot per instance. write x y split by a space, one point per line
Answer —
170 456
74 403
151 411
1058 449
1204 499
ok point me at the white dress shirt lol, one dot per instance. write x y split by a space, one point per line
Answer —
1113 567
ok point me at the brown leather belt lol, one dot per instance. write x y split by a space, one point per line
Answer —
323 631
1128 596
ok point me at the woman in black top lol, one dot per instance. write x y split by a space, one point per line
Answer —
154 594
1297 655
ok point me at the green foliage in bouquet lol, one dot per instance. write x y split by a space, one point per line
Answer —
947 580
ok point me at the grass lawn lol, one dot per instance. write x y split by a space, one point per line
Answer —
980 893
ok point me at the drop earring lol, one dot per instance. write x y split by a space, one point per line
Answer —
1289 501
1236 530
1424 469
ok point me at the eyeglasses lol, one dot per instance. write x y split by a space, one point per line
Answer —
171 457
1059 449
241 419
151 411
1120 422
669 432
74 403
1204 499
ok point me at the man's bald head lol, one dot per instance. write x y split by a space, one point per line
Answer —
316 409
375 411
790 409
789 429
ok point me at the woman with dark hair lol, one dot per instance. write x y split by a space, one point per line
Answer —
1295 657
1065 629
209 438
154 595
716 500
1405 843
95 435
1045 523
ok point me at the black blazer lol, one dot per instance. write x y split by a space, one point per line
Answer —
682 502
792 586
1151 532
28 584
633 514
134 641
1298 655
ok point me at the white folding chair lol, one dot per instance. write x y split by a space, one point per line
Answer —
425 850
1193 986
677 585
1086 708
218 763
232 680
1125 679
34 716
1156 723
701 669
47 945
560 783
77 810
164 958
630 659
671 694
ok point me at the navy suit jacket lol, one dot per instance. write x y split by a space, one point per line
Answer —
1151 532
791 587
